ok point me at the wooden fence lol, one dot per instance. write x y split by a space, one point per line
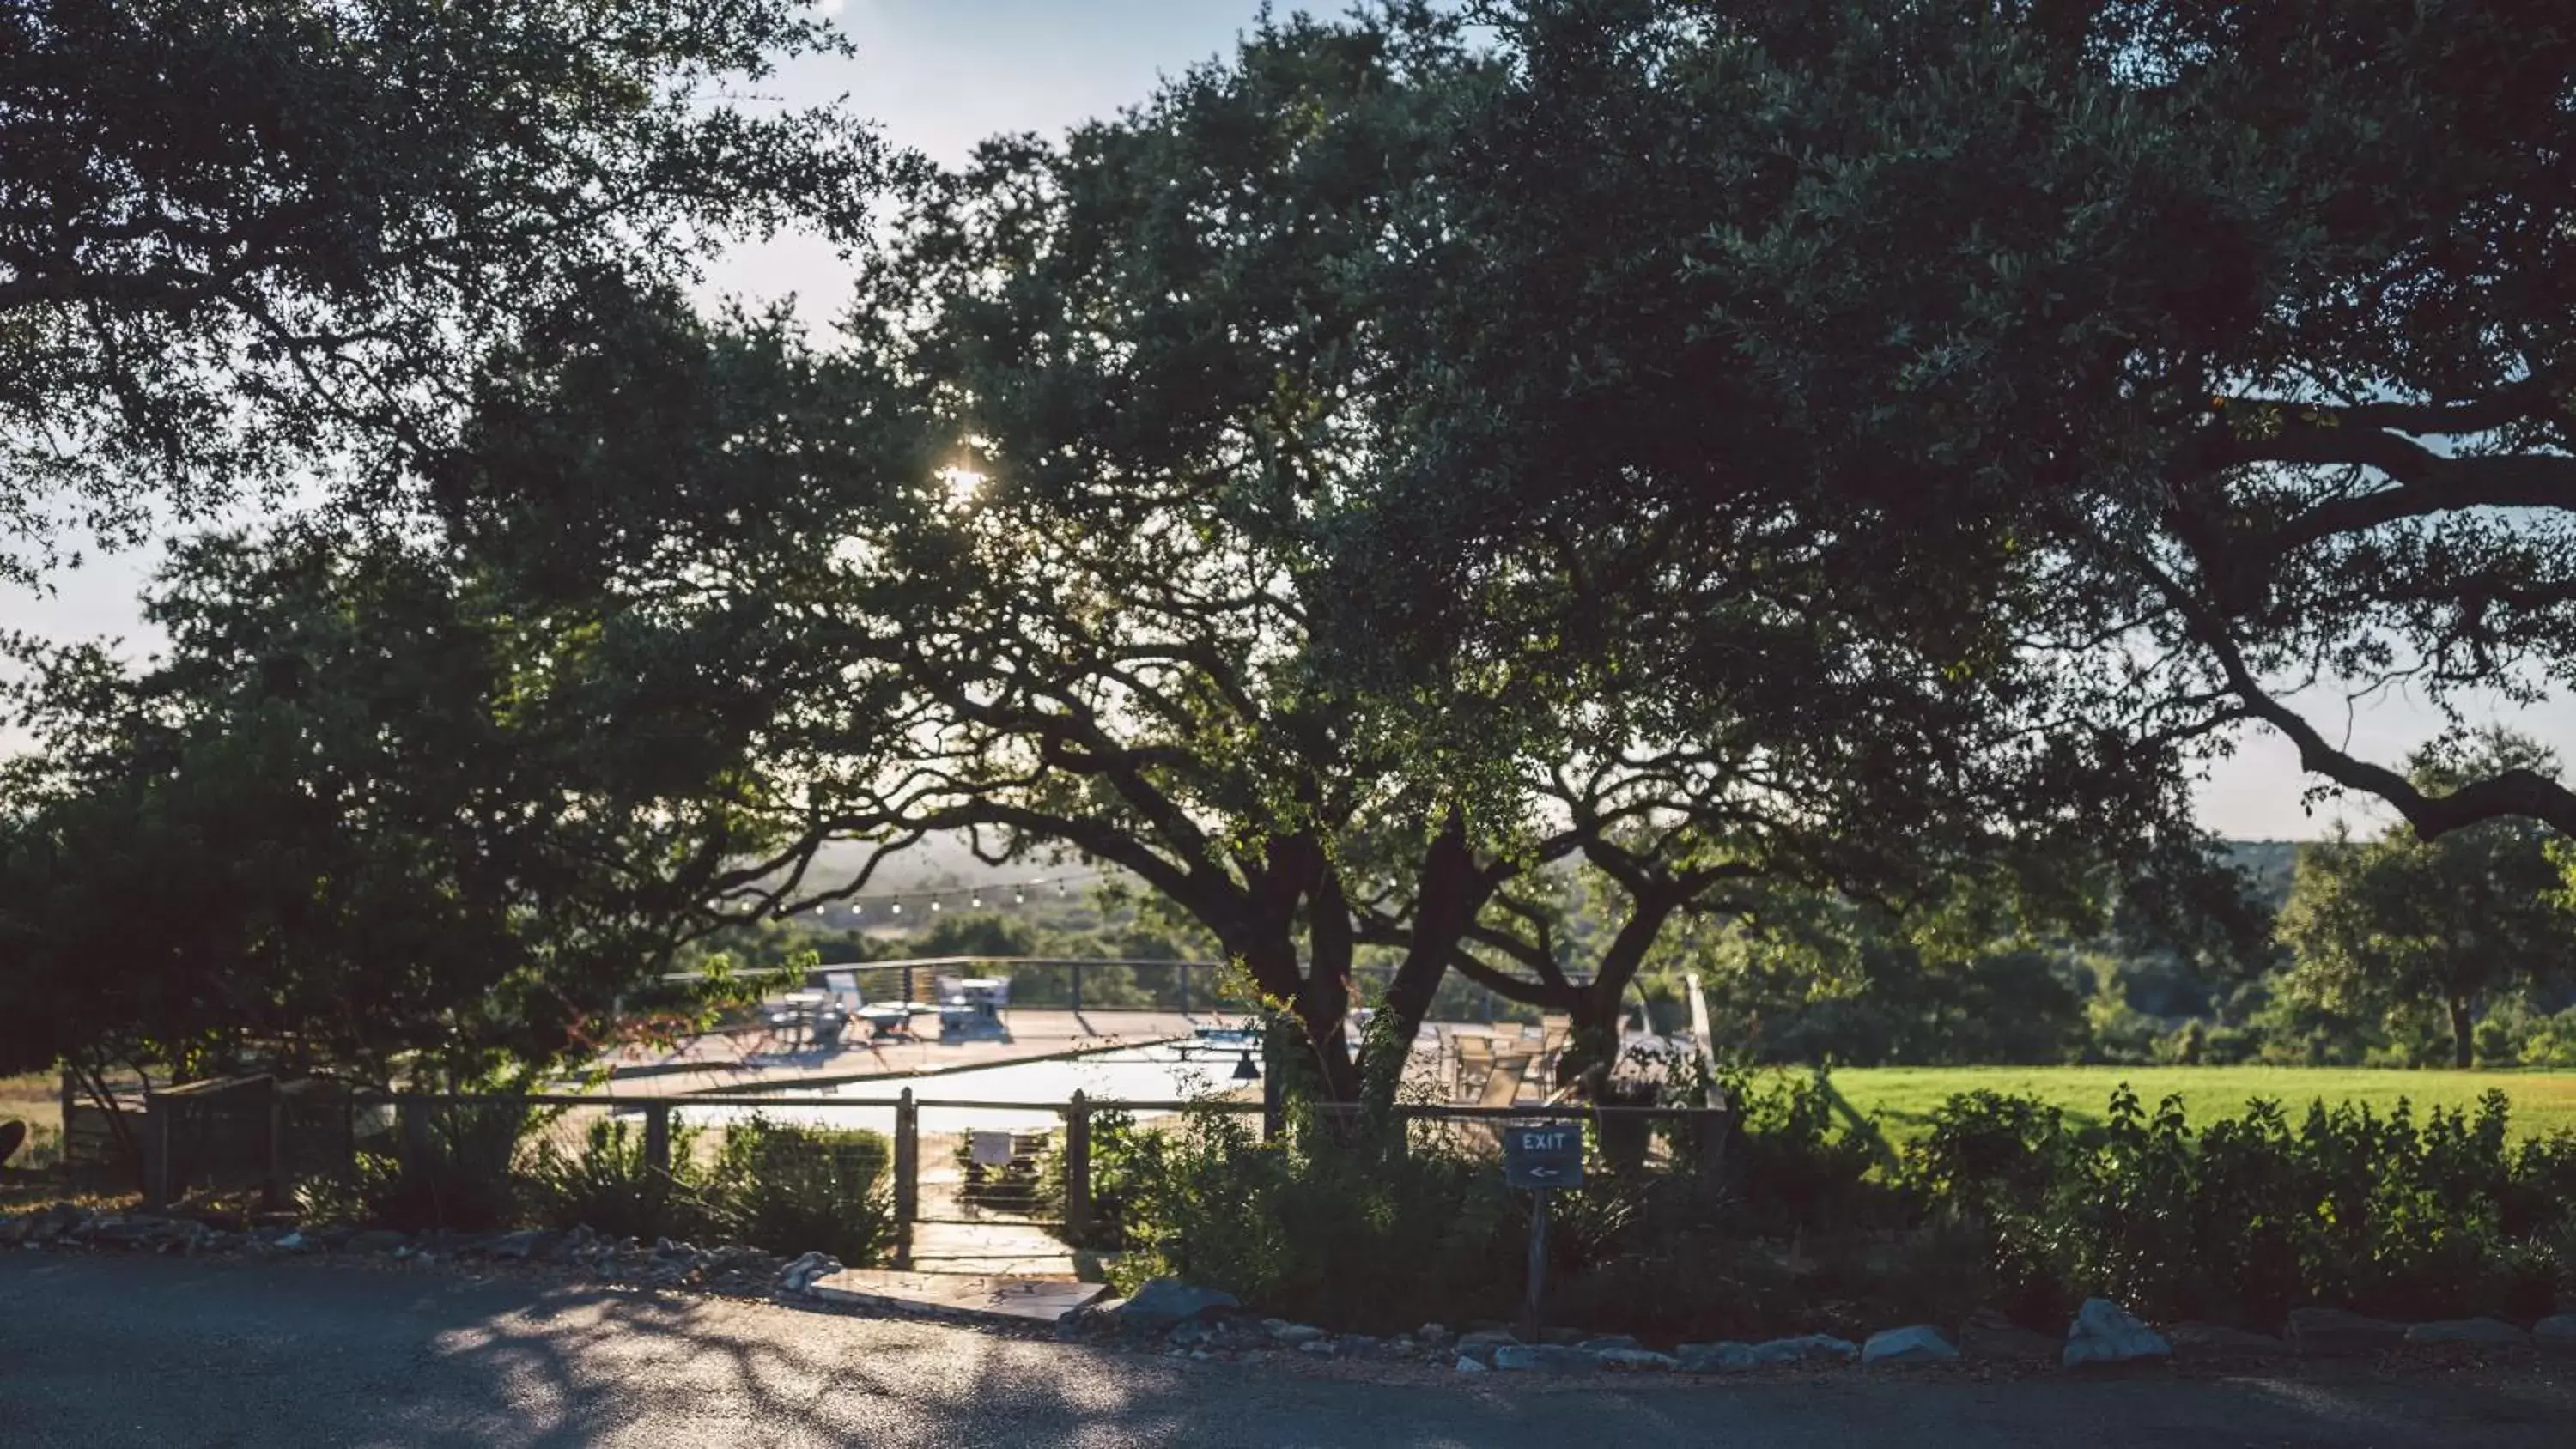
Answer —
241 1137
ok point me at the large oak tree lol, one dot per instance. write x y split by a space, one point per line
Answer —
1127 587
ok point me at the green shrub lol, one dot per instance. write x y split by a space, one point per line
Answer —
1335 1224
1122 1160
795 1189
1795 1165
2001 1202
451 1166
608 1185
2254 1215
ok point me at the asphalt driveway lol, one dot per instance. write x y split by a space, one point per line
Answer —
177 1354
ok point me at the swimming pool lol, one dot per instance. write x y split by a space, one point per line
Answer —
1161 1072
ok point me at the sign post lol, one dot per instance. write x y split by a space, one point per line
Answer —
1541 1159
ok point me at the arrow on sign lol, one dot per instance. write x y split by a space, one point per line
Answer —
1542 1172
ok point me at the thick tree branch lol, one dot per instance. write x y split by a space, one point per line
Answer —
2518 792
2425 482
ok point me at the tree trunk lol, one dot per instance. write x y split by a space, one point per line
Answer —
1324 1005
1592 1050
1450 892
1259 928
2463 1032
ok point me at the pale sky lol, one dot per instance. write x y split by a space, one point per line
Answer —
940 75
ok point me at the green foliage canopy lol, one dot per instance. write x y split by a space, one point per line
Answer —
250 244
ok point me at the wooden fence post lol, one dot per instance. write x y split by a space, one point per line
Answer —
907 1176
1185 987
272 1188
158 1189
1077 1168
657 1138
1708 1146
1077 988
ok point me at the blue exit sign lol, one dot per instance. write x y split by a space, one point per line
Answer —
1549 1156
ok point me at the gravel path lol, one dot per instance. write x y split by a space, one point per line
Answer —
97 1352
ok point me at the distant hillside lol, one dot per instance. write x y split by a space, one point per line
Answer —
941 862
2274 865
944 863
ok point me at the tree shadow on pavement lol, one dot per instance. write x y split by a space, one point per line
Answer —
112 1352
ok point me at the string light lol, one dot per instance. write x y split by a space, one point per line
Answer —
973 897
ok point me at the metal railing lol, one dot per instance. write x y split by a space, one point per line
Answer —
1108 984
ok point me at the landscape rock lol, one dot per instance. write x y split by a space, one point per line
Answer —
1320 1348
1468 1365
2207 1342
1166 1301
2556 1331
1193 1332
2331 1330
573 1245
1636 1360
1563 1337
144 1231
1434 1335
1480 1345
1807 1348
1608 1341
1714 1358
2466 1330
519 1246
1292 1334
2104 1332
1544 1358
61 1220
800 1275
1917 1343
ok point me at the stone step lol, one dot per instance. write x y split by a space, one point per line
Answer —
995 1297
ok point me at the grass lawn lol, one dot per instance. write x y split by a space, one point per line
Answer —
1903 1097
36 1098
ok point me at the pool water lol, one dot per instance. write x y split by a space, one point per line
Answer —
1159 1073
